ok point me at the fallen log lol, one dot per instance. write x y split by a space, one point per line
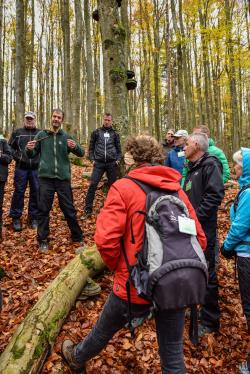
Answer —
33 339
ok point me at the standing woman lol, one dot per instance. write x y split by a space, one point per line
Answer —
238 237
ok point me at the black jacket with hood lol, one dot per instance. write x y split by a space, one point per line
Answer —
205 190
105 145
18 141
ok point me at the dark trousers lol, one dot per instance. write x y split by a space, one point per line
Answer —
210 311
169 326
99 169
47 189
2 185
243 265
21 179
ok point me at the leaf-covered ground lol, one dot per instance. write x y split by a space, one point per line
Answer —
28 273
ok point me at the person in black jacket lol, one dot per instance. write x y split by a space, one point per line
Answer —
105 153
205 189
25 172
5 159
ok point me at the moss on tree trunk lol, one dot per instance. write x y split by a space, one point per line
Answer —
35 336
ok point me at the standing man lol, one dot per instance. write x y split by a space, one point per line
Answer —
25 173
205 190
105 153
168 143
176 158
53 146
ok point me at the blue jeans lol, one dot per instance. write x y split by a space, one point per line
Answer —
169 326
21 179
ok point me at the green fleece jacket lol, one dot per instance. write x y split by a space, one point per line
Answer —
212 150
54 154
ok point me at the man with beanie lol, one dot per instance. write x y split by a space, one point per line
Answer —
25 173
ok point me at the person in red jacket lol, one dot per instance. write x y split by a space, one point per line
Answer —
143 158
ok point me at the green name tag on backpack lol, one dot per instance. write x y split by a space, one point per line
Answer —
187 225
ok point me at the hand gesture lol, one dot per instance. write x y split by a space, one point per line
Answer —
71 143
31 145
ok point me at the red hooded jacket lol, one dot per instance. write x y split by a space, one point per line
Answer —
113 222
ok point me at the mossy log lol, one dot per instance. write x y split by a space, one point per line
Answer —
33 339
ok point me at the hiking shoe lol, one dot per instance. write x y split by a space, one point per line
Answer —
243 368
203 330
87 214
16 224
43 246
91 289
33 224
67 350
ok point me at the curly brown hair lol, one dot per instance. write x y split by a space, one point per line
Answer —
145 148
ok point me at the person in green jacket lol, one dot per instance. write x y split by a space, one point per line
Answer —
54 146
212 150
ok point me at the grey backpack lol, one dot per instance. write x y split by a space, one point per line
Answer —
171 270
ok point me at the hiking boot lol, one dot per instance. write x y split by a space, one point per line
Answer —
87 214
67 350
17 224
203 330
91 289
43 246
33 224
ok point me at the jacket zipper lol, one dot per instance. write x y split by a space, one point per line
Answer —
55 154
105 150
30 158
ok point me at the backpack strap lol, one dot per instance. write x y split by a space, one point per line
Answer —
236 201
131 328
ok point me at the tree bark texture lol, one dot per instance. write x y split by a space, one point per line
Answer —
33 339
113 36
20 62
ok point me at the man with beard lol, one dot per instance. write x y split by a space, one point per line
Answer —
168 143
54 146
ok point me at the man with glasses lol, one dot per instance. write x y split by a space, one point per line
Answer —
25 173
105 153
168 142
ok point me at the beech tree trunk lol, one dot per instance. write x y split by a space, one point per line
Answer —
113 36
33 339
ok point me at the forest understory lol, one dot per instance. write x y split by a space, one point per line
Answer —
28 274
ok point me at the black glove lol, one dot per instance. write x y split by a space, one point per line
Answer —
228 254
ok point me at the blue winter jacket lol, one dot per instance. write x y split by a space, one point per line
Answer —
240 221
174 161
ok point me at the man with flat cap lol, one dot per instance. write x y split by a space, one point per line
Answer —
25 173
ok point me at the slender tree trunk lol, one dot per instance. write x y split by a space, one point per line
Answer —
31 58
65 22
20 62
90 71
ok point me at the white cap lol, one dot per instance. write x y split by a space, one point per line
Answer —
180 133
30 114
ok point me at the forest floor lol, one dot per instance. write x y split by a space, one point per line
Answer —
28 274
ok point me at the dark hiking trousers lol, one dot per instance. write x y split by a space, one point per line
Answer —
243 264
99 169
210 311
2 185
47 189
21 179
169 326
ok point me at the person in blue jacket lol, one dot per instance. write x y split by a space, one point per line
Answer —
238 238
176 158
